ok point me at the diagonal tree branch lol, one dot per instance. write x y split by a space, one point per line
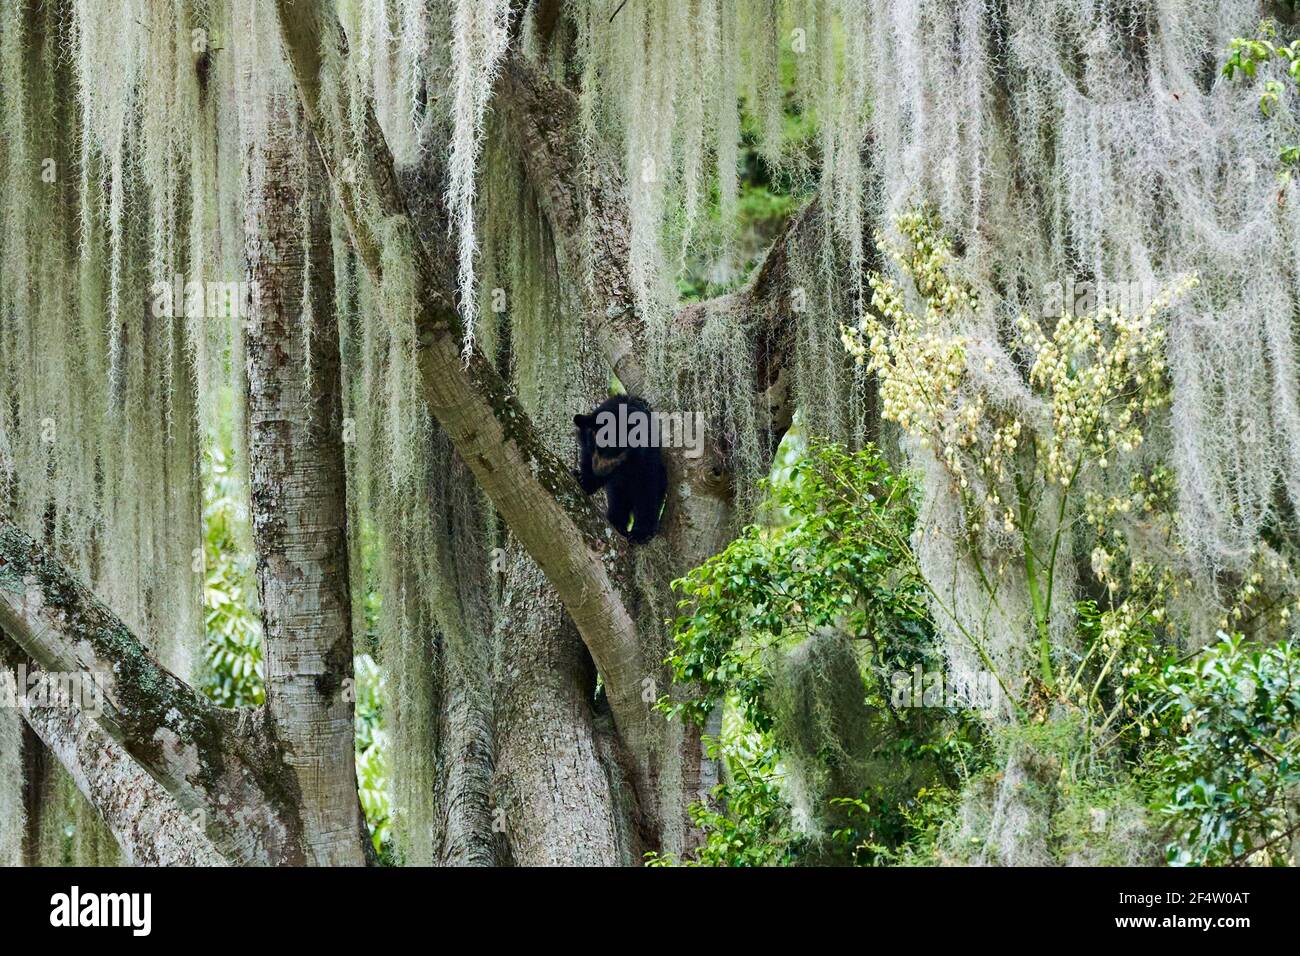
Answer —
148 824
210 760
581 195
531 488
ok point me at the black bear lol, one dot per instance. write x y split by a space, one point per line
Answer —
618 450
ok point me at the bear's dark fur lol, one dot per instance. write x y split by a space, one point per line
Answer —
618 454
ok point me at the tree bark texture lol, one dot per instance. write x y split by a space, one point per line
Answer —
299 503
210 760
149 826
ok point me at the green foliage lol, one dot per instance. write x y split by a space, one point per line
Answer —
883 834
1210 738
233 651
1208 742
843 562
372 755
754 828
766 626
1117 685
1248 57
1233 774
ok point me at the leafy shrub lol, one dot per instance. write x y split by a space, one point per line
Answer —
842 562
372 755
797 631
749 821
1233 774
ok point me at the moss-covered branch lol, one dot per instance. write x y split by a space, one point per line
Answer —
583 197
149 825
215 763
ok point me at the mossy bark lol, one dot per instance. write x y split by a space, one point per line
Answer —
214 762
150 827
553 792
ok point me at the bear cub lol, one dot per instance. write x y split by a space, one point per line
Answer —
618 450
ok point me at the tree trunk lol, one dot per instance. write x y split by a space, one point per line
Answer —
218 761
299 505
36 767
552 788
12 752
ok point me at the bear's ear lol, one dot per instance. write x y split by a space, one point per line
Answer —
584 421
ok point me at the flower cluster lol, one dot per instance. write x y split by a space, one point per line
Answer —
1265 598
920 362
1022 477
1103 375
1149 500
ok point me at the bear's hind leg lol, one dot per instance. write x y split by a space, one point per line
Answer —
619 508
645 520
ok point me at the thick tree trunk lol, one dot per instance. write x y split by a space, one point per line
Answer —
299 504
37 764
555 794
466 745
11 781
464 785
